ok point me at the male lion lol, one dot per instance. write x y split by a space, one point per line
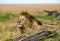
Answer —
25 20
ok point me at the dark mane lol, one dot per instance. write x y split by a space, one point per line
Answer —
30 18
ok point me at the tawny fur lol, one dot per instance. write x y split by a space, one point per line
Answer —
28 21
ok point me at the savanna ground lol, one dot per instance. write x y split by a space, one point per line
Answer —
8 24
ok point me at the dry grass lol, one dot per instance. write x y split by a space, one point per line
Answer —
28 7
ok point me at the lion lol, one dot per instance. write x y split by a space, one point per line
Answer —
25 20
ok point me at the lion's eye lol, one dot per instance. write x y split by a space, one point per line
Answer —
22 18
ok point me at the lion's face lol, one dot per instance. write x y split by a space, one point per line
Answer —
23 21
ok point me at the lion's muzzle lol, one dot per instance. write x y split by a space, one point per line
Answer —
19 24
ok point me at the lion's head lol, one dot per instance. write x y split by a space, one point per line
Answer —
25 19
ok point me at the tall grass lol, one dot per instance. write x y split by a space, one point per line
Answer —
7 26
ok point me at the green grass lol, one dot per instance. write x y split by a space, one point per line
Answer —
45 17
10 38
6 16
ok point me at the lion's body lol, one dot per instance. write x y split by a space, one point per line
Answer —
27 21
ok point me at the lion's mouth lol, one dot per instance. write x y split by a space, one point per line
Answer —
20 25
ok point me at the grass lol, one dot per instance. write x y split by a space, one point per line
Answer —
45 17
6 16
10 38
8 26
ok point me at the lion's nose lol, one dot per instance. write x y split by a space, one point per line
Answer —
19 23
